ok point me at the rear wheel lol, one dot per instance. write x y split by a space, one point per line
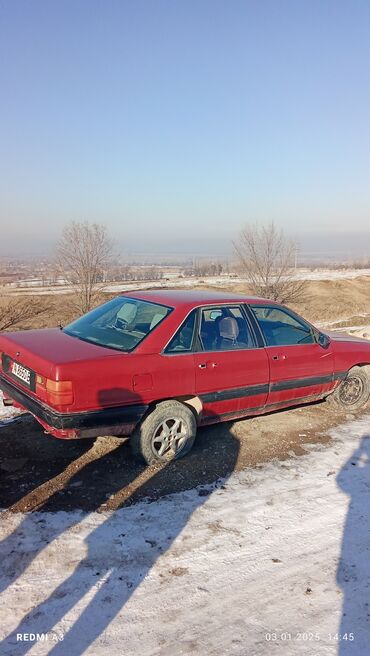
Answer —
353 392
166 434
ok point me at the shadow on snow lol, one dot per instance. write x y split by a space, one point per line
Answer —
120 553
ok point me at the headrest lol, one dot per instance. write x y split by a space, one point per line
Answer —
229 328
127 312
156 319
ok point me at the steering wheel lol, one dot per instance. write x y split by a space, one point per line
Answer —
121 324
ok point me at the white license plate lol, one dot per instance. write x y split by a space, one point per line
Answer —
21 372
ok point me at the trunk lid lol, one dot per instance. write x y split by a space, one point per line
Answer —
43 350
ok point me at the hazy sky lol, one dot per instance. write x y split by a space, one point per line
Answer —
168 118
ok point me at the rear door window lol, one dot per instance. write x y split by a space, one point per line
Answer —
225 328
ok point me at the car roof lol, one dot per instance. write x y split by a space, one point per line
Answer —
192 298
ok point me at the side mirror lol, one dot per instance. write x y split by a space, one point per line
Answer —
323 340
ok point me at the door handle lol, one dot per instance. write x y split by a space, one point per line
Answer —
202 366
281 356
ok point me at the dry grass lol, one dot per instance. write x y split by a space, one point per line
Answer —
329 300
58 309
343 301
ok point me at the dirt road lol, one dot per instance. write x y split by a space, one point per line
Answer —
39 472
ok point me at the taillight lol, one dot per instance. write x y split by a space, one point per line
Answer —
40 384
58 392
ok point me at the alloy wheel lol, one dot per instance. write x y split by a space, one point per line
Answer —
169 438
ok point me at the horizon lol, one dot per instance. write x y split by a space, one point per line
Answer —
311 248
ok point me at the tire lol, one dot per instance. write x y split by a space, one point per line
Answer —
157 439
353 392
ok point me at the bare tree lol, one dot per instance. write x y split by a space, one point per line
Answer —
268 259
84 254
19 310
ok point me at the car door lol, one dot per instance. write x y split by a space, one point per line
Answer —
300 367
231 369
174 368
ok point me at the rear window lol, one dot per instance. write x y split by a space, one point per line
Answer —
119 324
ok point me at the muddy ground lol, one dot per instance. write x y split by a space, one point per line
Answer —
39 472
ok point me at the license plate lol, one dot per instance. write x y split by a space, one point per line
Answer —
21 372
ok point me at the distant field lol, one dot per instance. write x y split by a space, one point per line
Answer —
337 303
175 281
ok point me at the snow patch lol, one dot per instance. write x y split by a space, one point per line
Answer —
274 558
223 280
356 331
8 414
360 331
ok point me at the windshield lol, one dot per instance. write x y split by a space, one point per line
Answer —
119 324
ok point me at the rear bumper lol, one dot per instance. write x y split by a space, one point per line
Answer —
115 421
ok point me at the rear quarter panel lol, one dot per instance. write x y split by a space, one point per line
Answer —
127 379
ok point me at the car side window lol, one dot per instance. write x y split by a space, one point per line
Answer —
182 341
280 327
225 328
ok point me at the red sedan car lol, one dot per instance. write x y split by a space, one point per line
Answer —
156 365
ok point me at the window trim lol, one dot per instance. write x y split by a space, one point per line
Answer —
255 325
288 311
193 348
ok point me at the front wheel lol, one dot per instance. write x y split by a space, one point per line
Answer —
166 434
353 392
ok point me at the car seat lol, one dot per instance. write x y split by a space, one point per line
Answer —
208 335
126 316
245 339
156 319
229 331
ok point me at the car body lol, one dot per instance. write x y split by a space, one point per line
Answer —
221 356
